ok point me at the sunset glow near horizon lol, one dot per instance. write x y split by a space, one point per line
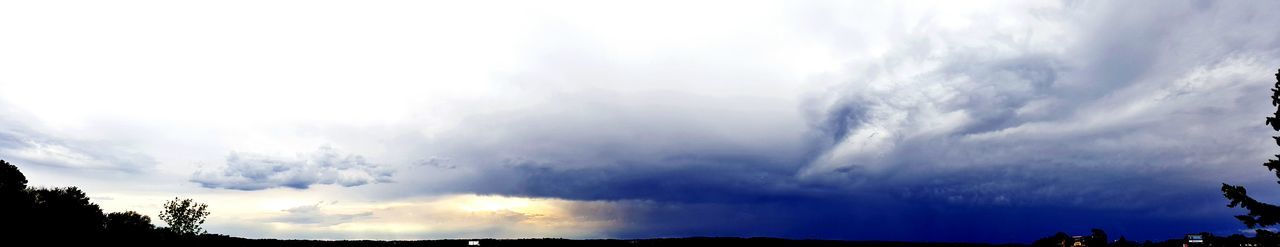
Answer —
976 121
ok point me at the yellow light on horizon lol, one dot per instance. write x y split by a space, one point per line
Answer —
476 203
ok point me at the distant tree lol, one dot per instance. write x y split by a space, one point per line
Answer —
1052 241
1122 242
184 216
1232 240
1098 238
1260 214
128 223
66 211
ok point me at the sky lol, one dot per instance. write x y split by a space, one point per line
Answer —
976 121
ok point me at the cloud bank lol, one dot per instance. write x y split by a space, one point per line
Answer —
247 171
1007 115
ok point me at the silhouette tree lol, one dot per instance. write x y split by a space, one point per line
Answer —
184 216
1098 238
43 212
66 211
58 216
1056 240
128 223
15 202
1260 214
11 179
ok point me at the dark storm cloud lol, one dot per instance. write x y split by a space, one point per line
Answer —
244 171
1098 114
639 146
681 178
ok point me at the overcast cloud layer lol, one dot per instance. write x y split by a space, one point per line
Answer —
931 121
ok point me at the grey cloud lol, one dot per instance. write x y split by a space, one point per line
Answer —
1115 99
22 143
596 144
314 215
246 171
437 162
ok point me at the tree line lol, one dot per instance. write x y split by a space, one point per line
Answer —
66 214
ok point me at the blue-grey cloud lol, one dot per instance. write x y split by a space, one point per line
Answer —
247 171
22 143
313 215
1140 103
436 162
1086 114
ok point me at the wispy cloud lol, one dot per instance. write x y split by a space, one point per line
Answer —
312 215
23 141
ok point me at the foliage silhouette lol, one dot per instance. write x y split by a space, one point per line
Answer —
11 179
66 210
15 202
184 216
1052 241
1260 214
1097 238
128 223
60 215
44 212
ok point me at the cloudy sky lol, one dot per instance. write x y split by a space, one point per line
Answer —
894 120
